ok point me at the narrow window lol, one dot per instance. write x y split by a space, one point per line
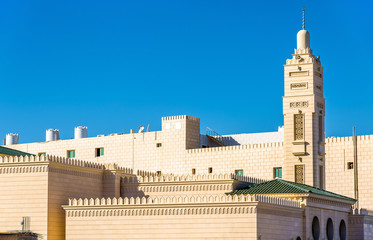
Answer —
193 171
239 172
329 229
71 154
315 228
342 230
321 175
320 129
159 145
298 127
99 152
42 154
159 173
210 169
277 172
350 165
299 173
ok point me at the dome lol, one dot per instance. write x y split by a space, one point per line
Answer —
303 39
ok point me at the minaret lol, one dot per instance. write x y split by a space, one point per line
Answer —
304 111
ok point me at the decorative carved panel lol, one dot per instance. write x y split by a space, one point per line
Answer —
298 127
299 104
299 173
302 85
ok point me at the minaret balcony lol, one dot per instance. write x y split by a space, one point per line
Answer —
299 148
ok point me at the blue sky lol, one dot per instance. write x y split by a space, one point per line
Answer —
115 65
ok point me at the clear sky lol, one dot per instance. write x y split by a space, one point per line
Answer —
115 65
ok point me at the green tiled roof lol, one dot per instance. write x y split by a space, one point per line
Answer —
9 151
282 186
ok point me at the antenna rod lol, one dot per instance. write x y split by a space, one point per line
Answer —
303 18
356 176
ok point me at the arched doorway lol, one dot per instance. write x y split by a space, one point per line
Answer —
329 229
315 228
342 230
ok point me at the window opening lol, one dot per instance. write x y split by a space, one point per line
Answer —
71 154
350 165
239 172
99 152
277 172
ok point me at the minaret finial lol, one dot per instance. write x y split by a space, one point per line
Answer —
303 17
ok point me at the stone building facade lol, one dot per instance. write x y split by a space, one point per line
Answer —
179 184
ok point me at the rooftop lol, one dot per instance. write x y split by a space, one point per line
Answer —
282 186
12 152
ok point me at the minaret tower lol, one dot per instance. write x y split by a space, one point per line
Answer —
304 111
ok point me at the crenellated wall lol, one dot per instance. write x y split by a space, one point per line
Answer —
189 185
189 217
340 179
36 187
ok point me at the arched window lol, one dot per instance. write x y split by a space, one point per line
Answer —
342 230
329 229
315 228
298 238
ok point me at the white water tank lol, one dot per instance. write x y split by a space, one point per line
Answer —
81 132
52 135
11 138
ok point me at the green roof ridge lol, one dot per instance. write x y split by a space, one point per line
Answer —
283 186
13 152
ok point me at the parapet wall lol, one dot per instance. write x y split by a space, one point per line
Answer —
62 160
182 200
187 178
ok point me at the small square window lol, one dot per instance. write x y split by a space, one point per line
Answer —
193 171
99 152
210 169
239 172
159 145
71 154
350 165
42 154
277 172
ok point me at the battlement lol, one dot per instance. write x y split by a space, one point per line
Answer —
186 178
348 139
236 147
182 200
61 160
180 117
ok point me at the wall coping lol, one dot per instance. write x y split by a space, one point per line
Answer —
74 202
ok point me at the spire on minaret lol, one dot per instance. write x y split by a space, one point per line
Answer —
303 36
303 17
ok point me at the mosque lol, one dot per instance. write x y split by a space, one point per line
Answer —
180 184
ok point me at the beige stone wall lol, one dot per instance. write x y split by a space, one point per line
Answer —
340 179
256 160
138 150
206 217
360 225
66 182
323 212
37 188
24 193
279 222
